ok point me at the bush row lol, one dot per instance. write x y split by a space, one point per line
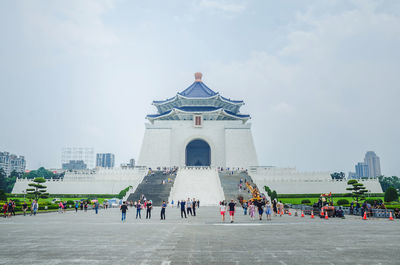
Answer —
317 195
9 195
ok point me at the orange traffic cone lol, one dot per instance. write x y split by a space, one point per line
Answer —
302 213
312 214
390 216
365 216
322 213
326 215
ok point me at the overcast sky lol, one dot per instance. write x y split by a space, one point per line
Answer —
319 78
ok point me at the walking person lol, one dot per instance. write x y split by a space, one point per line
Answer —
85 206
149 206
274 207
35 207
268 211
123 209
10 208
232 209
252 210
245 205
81 205
189 206
222 210
178 204
60 207
5 207
163 206
183 208
138 209
13 208
96 206
260 205
24 207
76 206
194 207
32 204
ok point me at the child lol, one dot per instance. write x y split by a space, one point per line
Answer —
268 211
222 209
252 209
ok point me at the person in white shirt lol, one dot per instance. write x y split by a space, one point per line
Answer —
222 209
189 207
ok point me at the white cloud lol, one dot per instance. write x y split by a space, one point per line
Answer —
230 7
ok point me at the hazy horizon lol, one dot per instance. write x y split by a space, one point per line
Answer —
319 78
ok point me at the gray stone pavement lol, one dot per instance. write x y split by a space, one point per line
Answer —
87 238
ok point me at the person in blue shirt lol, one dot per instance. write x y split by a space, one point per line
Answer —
76 206
163 206
183 208
138 209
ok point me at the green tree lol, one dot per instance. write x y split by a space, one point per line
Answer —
386 182
39 190
391 194
39 173
357 189
3 181
268 190
3 196
338 175
274 195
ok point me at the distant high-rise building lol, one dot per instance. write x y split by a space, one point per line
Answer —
74 165
132 162
86 154
374 164
352 175
362 170
105 160
10 162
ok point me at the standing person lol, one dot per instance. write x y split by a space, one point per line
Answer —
32 206
35 207
245 205
172 204
10 208
222 210
123 209
149 206
179 203
260 209
281 208
163 206
60 207
96 206
274 207
24 207
194 207
65 206
189 206
13 208
76 206
232 209
198 203
86 206
183 209
252 210
81 205
268 211
138 209
5 207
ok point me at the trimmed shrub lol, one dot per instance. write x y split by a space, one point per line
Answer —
342 202
391 194
70 202
305 201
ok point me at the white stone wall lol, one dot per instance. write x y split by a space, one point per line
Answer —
103 181
164 143
290 181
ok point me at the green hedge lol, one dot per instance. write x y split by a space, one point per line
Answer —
305 201
342 202
70 195
317 195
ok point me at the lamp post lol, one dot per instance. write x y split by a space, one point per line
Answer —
24 191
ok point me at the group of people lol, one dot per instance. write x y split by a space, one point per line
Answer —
147 204
188 206
9 208
253 207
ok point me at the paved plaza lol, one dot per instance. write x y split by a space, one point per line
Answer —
87 238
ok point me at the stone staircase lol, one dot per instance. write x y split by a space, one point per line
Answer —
230 184
153 189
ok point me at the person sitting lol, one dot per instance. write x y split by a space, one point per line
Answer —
339 212
397 213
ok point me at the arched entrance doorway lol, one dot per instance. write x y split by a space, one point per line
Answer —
198 153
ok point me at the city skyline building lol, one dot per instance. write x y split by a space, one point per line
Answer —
362 170
374 164
10 162
74 165
86 154
106 160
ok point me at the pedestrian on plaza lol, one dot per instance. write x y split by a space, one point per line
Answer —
194 207
85 206
96 206
123 209
189 206
32 206
65 206
76 206
5 207
268 211
352 207
232 209
149 206
198 204
274 206
245 205
81 204
260 209
60 207
172 203
10 208
35 207
138 209
222 210
24 207
163 206
13 208
281 208
252 210
179 203
183 208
